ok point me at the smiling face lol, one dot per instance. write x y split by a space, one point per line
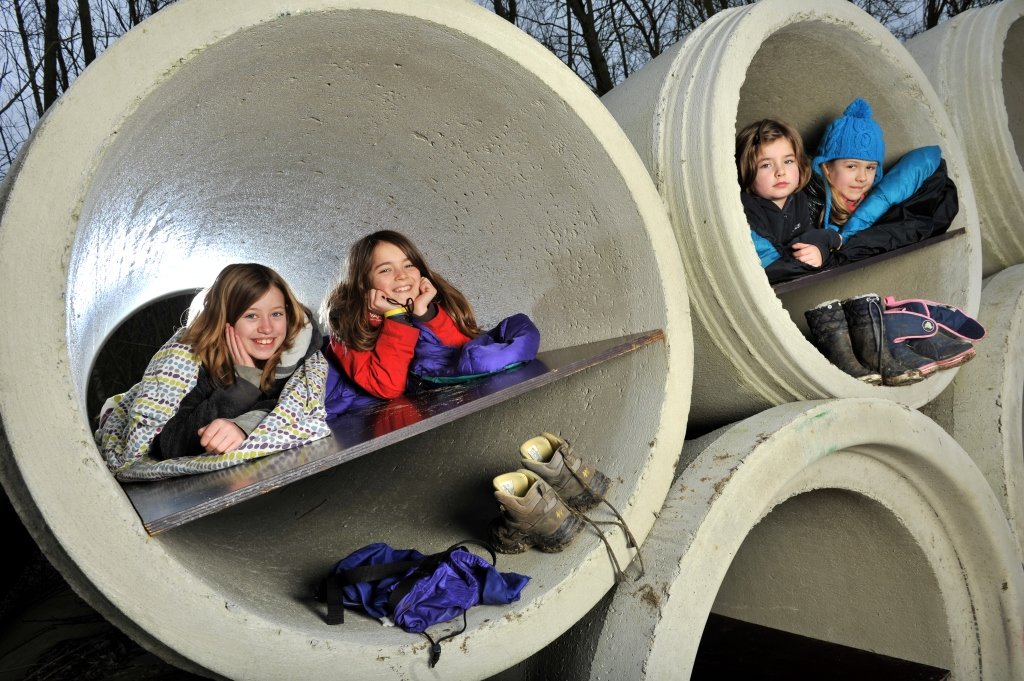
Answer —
392 272
851 177
263 326
778 171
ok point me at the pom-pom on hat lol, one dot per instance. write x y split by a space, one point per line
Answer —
855 134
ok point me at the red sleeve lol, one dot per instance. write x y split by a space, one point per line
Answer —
382 372
444 328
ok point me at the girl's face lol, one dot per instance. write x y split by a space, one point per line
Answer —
263 327
851 177
393 273
778 171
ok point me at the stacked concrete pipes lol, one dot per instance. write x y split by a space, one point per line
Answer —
243 130
857 520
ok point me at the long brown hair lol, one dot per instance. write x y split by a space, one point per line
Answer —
840 214
345 308
236 288
766 131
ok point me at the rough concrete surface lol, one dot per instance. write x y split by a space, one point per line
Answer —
976 63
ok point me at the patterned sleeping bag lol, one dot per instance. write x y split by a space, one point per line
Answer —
130 421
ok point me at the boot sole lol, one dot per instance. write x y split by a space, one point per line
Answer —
906 378
962 358
521 541
589 498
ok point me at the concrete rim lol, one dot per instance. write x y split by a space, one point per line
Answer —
967 60
913 469
988 399
673 111
83 532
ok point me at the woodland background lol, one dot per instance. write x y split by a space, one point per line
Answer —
45 44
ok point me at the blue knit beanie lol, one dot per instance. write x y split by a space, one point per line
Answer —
853 135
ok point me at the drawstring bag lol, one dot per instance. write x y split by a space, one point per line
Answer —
414 591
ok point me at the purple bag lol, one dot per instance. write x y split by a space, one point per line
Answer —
418 591
514 341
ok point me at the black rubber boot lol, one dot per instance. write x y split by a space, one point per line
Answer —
873 346
831 335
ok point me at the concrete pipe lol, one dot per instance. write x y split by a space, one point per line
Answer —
234 131
802 62
855 521
982 409
976 63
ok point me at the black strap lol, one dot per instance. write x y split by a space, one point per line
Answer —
435 646
427 566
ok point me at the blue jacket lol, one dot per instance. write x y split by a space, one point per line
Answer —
774 230
900 182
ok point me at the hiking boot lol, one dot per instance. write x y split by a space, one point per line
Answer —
582 487
951 346
831 335
532 514
873 335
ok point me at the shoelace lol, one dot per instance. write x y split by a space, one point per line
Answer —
631 541
873 303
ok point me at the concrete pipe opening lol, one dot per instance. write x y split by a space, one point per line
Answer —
975 61
232 131
983 407
683 110
855 521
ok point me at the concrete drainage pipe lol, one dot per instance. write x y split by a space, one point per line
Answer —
857 521
233 131
682 111
982 409
976 63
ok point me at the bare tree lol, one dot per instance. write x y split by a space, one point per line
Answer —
85 21
44 45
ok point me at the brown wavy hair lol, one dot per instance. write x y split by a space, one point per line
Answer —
766 131
840 214
236 288
345 309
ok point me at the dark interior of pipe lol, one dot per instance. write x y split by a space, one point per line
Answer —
823 564
1013 84
122 359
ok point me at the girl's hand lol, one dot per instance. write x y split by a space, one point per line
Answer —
423 300
808 254
378 303
221 436
238 353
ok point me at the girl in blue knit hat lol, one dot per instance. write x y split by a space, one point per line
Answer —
875 210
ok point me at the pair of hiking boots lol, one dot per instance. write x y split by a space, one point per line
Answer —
542 503
892 342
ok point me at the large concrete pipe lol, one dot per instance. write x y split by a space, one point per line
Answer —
802 62
982 408
855 521
976 63
281 132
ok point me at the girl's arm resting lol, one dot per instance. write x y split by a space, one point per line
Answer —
383 371
249 420
766 250
442 326
897 185
202 405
